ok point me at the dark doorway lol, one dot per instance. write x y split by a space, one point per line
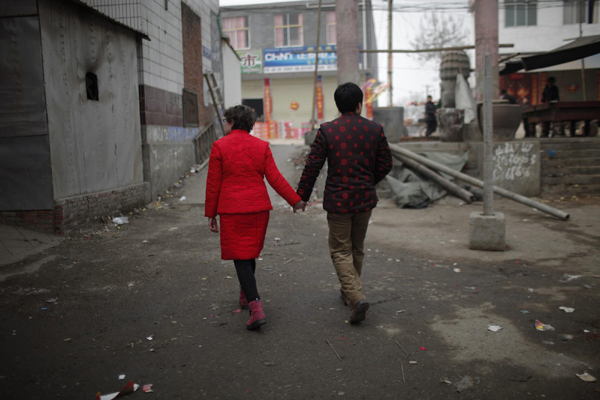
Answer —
257 105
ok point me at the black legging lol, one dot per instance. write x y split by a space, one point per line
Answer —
245 272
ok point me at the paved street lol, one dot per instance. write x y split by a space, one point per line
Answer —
161 277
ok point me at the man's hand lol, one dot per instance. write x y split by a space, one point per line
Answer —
213 225
299 205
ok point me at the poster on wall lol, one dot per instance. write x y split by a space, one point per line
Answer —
287 59
251 61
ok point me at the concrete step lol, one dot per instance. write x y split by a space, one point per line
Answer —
571 180
573 190
555 154
564 171
593 144
570 162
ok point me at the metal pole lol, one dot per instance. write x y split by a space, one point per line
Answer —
313 119
581 15
476 182
488 145
390 59
365 45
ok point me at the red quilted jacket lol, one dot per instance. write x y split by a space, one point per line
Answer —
236 170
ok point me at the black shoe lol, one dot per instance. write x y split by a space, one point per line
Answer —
359 312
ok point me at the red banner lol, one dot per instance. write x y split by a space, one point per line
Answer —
369 102
268 101
535 89
319 103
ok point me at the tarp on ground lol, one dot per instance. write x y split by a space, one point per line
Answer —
410 190
576 50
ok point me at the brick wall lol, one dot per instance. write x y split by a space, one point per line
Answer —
192 56
72 212
159 107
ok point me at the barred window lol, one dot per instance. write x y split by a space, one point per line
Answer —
238 32
576 11
288 30
331 35
521 13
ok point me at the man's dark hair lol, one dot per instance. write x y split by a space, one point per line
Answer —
552 80
429 97
242 117
347 97
503 91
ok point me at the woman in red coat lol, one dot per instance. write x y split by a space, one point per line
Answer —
236 191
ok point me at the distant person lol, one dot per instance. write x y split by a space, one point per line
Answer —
430 118
358 157
524 106
505 96
236 191
549 94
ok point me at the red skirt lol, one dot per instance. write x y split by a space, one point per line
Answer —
243 235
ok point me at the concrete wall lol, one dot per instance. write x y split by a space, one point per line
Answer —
25 172
516 163
232 74
168 153
95 145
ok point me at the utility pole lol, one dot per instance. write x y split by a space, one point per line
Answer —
313 119
390 55
346 29
486 43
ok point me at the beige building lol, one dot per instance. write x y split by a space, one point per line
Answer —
268 37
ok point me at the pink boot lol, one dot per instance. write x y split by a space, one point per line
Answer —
243 301
257 316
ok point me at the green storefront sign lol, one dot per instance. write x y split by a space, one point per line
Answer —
251 61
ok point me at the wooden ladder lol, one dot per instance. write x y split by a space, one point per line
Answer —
215 94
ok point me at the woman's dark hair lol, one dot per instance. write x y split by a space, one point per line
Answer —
347 97
242 117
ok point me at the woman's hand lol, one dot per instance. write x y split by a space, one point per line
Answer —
299 205
213 225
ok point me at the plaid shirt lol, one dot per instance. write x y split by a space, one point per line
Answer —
358 157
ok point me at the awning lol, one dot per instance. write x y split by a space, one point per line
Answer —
576 50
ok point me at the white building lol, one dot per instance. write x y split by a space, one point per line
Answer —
540 26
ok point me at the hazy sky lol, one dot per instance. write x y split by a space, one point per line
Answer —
410 76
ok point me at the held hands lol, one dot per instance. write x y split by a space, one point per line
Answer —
299 205
213 225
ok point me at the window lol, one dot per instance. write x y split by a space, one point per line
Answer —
331 38
91 86
238 32
576 11
288 30
521 12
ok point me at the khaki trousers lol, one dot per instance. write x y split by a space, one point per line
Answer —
346 245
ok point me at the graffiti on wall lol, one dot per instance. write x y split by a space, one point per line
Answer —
513 161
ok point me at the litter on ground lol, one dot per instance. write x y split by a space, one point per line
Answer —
542 327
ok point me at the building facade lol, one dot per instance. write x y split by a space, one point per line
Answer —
540 26
268 39
103 101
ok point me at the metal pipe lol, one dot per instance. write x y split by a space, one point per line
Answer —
364 24
476 182
488 142
446 184
312 113
390 59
